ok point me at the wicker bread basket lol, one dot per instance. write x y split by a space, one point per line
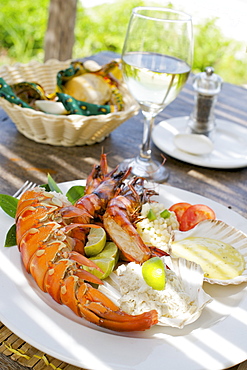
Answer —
70 130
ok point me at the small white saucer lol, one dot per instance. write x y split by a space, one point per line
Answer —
193 143
229 146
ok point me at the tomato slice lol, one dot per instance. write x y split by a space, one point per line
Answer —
195 214
179 209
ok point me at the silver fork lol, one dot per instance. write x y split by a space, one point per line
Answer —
26 186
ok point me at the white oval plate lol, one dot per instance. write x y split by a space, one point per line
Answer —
217 340
230 149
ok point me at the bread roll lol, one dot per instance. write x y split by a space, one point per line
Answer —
89 88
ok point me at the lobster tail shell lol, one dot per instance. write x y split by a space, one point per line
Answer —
34 239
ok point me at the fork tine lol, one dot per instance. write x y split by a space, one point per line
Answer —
17 193
26 186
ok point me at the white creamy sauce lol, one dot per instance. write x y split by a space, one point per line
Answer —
217 259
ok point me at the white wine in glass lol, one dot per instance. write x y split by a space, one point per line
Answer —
156 63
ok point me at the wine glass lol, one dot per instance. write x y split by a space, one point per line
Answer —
156 62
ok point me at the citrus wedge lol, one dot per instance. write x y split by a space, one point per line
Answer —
153 272
96 241
106 260
110 251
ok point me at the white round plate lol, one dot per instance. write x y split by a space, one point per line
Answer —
217 340
230 149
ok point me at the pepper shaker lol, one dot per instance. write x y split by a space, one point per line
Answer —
207 86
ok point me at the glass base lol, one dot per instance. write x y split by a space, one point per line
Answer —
149 169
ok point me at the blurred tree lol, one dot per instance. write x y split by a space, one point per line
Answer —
59 37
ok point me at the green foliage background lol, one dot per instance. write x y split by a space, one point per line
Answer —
23 25
22 28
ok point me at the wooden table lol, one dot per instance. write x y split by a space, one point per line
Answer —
21 159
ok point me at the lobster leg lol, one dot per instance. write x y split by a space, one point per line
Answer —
120 321
103 312
68 293
87 276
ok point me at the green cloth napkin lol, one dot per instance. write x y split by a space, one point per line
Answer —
7 93
71 105
74 106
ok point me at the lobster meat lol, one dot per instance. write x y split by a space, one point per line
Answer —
119 221
51 234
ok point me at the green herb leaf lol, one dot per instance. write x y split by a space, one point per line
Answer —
75 193
52 184
10 240
151 215
45 186
8 204
165 213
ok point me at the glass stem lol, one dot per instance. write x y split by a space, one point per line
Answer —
145 152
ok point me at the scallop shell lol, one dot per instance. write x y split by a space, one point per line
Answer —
219 230
191 275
